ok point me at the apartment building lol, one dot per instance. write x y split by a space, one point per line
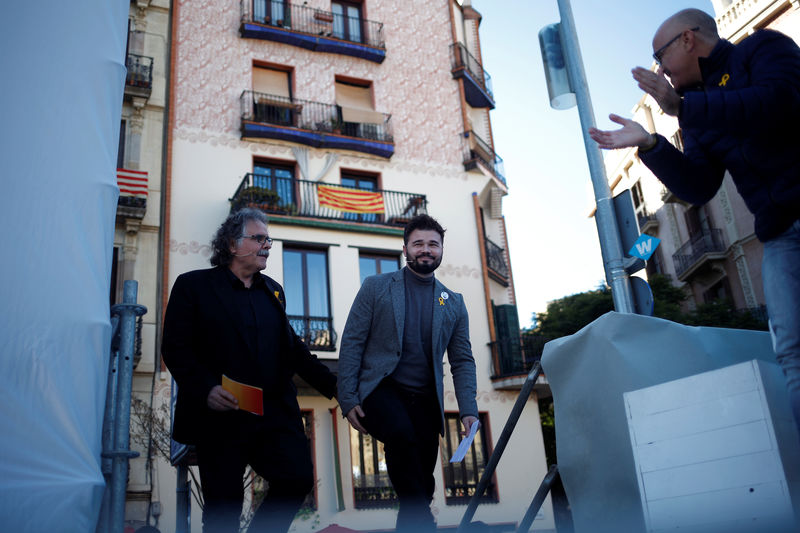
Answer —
137 246
342 119
711 250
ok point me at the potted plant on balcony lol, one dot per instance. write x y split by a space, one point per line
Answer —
258 197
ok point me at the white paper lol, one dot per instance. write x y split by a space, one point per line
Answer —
462 449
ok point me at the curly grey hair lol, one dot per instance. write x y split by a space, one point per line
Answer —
232 231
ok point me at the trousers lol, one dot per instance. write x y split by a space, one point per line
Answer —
408 424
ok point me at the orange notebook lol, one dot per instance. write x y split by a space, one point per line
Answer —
250 398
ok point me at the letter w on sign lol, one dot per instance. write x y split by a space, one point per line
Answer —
644 246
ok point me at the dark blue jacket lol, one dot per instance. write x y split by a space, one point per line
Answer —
744 119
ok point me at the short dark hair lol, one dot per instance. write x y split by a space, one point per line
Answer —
423 222
232 230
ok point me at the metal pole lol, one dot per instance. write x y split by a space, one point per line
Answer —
606 221
182 502
108 427
538 500
127 311
511 423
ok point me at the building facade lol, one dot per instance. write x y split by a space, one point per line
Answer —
342 119
137 244
710 250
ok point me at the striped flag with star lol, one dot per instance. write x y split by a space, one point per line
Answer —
350 200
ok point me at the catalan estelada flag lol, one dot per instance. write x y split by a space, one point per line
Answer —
350 200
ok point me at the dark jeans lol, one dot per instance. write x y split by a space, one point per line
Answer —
278 454
408 425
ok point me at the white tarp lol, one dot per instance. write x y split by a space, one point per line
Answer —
589 371
63 71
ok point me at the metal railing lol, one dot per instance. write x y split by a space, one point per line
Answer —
476 149
140 71
117 414
311 21
461 58
645 218
496 259
708 241
316 331
300 198
310 116
517 355
382 497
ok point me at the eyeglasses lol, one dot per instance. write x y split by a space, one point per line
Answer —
657 55
260 239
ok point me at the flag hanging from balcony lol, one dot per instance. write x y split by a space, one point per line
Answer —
132 182
350 200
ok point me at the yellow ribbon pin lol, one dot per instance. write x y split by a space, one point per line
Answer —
441 301
277 295
724 80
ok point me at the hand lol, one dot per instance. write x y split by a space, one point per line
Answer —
221 400
353 417
658 86
631 134
467 421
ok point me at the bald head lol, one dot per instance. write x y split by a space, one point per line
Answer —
691 18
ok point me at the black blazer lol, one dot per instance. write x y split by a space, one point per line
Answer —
202 330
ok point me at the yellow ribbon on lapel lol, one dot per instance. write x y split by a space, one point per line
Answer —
724 80
441 301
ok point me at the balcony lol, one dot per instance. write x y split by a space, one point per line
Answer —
315 200
477 82
514 358
647 221
315 124
703 249
669 197
478 154
139 80
316 331
312 29
496 261
132 201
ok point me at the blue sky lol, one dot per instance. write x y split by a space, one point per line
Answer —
554 247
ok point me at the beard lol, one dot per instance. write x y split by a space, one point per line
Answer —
423 268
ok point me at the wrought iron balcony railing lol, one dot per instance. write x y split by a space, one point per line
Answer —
476 150
516 355
646 220
314 123
140 72
496 259
316 331
330 31
462 61
696 249
300 198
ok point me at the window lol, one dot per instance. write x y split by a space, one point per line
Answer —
121 149
279 179
371 486
461 479
272 12
307 298
371 264
718 292
365 183
356 112
272 99
346 20
638 196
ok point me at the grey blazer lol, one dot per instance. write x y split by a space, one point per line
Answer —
373 340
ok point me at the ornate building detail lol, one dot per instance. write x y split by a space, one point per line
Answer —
739 258
464 271
192 247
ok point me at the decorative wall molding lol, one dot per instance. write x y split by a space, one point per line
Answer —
192 247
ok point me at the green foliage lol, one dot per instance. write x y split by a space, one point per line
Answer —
567 315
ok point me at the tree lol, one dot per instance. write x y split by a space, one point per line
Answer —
567 315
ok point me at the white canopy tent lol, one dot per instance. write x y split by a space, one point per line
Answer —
63 68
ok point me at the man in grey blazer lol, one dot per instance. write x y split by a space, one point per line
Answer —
390 368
